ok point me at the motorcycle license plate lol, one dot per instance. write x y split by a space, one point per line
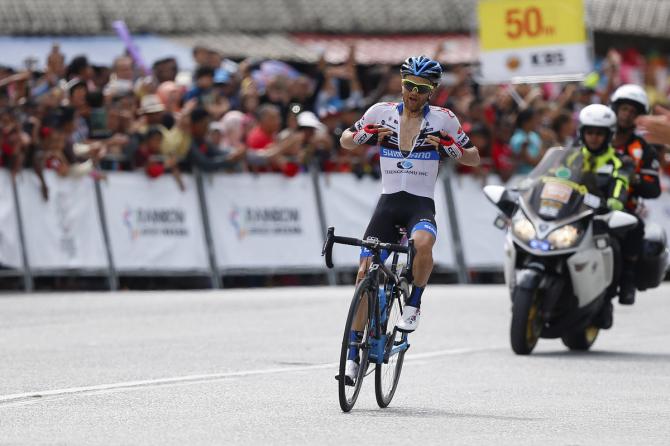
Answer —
556 192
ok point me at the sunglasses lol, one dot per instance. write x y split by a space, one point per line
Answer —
419 88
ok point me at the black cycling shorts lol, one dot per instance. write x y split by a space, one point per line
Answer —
402 209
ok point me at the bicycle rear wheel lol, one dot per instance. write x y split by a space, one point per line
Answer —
387 373
349 393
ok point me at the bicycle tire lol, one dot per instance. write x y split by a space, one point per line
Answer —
387 374
347 401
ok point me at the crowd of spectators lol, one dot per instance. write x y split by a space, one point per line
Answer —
268 116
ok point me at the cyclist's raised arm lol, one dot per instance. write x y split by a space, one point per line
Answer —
347 140
470 156
453 142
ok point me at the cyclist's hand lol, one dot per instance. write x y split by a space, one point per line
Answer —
371 134
445 145
383 132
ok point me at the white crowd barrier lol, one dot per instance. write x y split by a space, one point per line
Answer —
10 248
63 232
264 222
153 225
256 223
658 210
482 242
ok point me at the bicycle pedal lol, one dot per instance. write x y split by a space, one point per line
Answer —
347 381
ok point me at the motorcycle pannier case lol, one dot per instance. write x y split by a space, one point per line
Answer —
654 259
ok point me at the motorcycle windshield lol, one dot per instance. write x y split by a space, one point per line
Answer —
557 186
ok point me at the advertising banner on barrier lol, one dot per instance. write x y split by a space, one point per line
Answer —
264 221
63 231
10 250
348 206
482 242
532 39
152 224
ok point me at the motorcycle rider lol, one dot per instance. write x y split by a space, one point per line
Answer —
611 174
628 102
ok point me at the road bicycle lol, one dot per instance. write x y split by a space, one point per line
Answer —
378 300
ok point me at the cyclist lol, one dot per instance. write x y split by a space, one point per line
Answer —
628 102
412 137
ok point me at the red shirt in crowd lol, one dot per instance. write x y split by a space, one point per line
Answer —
152 165
502 156
257 139
53 162
6 152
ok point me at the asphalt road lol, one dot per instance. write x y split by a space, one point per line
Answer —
257 367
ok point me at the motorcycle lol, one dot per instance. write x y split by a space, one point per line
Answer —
562 256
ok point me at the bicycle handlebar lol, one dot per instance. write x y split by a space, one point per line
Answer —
373 245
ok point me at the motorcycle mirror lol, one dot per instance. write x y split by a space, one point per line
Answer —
494 193
621 221
499 196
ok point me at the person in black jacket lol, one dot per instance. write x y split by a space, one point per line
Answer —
628 102
202 153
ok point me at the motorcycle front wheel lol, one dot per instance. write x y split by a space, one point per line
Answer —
526 321
581 340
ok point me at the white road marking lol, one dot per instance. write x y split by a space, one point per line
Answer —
37 396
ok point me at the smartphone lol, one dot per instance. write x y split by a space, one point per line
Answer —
98 124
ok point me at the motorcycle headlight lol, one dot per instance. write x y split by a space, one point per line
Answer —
523 228
565 236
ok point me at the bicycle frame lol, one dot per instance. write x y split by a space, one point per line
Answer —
376 340
381 346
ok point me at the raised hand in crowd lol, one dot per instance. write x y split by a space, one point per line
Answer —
184 117
146 85
567 95
439 49
655 128
612 70
14 78
13 141
171 164
244 68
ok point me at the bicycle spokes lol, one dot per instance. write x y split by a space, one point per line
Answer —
387 372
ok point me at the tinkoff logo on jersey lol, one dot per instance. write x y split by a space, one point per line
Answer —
249 221
406 164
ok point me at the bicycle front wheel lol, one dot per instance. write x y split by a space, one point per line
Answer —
358 311
387 373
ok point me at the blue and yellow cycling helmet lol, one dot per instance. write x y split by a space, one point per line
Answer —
422 66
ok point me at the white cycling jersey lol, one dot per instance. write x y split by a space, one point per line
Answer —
413 171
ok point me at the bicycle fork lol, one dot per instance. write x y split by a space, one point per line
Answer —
377 337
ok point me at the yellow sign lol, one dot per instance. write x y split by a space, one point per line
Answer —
509 24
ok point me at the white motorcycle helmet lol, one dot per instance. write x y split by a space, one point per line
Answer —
631 93
600 116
